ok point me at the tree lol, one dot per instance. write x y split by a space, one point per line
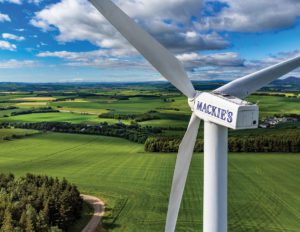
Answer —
7 225
29 224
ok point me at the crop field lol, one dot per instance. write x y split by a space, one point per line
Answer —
36 99
263 188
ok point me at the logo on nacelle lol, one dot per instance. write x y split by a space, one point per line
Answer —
215 111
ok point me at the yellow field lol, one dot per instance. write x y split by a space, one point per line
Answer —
77 100
31 104
36 99
83 110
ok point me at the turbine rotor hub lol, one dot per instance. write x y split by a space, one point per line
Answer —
191 101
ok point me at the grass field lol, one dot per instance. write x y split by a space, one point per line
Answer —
270 105
263 188
59 117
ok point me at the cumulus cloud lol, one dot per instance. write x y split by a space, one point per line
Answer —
231 72
4 45
12 37
101 58
274 59
98 58
252 16
4 17
12 64
79 56
194 60
169 21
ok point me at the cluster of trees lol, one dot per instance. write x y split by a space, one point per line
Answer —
16 136
32 111
133 132
169 108
146 117
151 115
297 116
120 98
274 143
37 203
167 144
168 100
118 116
8 108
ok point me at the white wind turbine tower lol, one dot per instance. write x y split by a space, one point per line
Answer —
220 110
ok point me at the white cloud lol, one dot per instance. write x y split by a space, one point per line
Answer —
12 1
230 72
273 59
19 2
12 37
78 56
4 17
4 45
194 60
98 58
12 64
35 1
168 21
252 16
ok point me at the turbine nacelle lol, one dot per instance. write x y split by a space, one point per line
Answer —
225 110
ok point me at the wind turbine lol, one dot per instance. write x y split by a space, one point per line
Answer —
220 109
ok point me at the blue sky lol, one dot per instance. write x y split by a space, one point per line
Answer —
68 40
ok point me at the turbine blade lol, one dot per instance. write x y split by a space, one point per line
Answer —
246 85
183 161
165 62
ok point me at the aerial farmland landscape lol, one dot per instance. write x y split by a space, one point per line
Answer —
146 116
134 182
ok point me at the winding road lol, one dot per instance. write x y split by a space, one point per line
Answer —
98 206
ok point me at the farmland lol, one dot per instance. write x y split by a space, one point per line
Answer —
262 187
169 109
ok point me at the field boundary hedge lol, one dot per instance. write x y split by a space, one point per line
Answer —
274 143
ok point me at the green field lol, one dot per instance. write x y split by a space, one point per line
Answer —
59 117
270 105
263 188
170 108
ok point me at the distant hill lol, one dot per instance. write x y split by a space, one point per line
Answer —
287 84
288 81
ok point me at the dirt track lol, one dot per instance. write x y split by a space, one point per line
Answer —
98 206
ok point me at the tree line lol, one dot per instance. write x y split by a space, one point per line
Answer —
34 111
134 132
151 115
8 108
37 203
260 143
